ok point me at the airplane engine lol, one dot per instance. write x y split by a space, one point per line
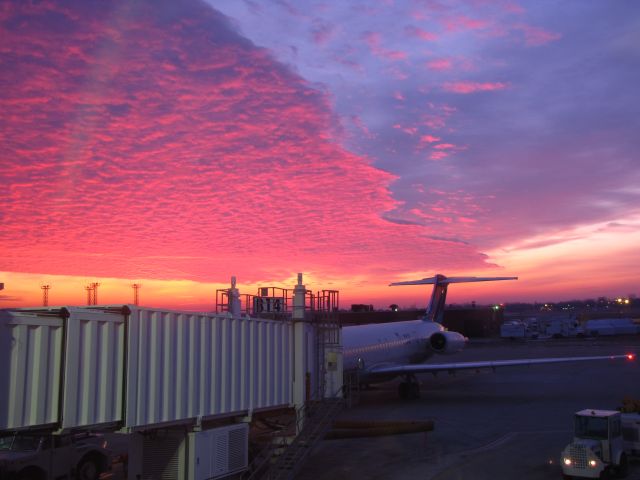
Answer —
447 342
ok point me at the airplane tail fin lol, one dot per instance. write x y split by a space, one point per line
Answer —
435 310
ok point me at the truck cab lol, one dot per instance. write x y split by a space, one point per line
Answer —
597 446
35 456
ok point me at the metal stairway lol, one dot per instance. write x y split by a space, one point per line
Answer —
316 416
319 416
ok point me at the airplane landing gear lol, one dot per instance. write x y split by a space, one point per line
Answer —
409 389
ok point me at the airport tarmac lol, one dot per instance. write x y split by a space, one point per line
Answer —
512 423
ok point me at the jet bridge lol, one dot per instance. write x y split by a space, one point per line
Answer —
137 370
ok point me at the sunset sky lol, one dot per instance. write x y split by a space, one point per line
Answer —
175 144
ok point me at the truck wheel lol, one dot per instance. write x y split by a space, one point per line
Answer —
31 474
622 470
88 469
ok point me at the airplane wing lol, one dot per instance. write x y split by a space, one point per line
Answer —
492 364
441 279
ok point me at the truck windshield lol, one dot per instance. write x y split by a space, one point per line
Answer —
591 427
19 443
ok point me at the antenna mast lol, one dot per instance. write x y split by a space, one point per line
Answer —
45 295
92 293
136 297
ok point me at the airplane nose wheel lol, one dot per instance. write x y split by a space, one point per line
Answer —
409 389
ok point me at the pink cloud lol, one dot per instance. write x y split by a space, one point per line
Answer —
463 22
396 72
514 7
444 146
196 161
429 139
440 64
438 155
357 121
437 116
472 87
372 39
407 130
420 33
393 54
374 42
321 34
535 36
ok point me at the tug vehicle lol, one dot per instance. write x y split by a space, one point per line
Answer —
602 443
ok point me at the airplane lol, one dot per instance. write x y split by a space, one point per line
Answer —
381 352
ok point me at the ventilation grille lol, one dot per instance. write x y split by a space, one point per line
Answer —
221 452
161 457
238 442
578 455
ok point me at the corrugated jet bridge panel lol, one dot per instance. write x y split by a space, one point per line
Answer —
81 367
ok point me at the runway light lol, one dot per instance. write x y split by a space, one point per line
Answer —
631 356
567 461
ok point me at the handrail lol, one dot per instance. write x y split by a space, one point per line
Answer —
256 469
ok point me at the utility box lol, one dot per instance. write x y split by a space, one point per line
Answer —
333 372
218 452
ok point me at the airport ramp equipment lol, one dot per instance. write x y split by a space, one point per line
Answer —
138 368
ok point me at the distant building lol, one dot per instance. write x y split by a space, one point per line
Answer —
474 322
361 307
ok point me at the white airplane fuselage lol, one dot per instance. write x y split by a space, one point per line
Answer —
374 345
380 352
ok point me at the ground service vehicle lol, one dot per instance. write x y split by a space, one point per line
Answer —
29 456
602 443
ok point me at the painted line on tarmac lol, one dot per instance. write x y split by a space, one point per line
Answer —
466 456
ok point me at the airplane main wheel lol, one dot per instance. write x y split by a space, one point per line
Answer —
409 390
403 390
414 390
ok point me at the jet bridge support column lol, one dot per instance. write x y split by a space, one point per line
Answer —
301 342
234 307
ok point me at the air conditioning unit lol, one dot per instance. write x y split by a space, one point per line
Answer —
218 452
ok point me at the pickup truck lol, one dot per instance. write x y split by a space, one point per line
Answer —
29 456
